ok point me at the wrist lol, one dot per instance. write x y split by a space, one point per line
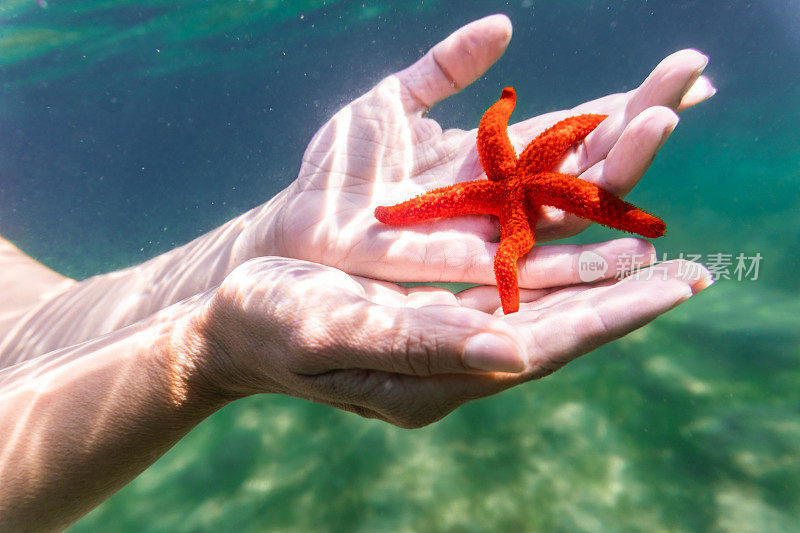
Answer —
194 362
261 229
214 357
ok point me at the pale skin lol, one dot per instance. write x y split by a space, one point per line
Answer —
98 378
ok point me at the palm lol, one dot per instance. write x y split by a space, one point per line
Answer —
368 153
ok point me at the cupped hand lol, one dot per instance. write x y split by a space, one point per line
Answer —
407 356
380 150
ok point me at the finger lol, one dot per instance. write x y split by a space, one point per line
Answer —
392 295
695 274
451 256
454 63
666 86
669 82
572 292
699 91
632 155
619 172
596 316
485 298
675 83
561 265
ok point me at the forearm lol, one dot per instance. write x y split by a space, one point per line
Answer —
24 283
79 423
105 303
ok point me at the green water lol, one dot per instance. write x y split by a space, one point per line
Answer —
691 423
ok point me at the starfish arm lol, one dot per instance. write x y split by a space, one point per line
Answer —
516 240
469 198
587 200
496 153
548 148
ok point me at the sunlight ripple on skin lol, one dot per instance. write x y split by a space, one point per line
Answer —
338 162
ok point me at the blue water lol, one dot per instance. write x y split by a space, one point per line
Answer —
133 127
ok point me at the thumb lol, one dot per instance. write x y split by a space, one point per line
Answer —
455 62
434 339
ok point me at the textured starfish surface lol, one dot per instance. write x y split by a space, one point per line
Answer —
517 187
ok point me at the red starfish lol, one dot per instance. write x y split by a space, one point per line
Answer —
517 187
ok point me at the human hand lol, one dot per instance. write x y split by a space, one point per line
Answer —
406 356
381 150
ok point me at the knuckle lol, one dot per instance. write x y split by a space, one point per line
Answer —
592 324
416 353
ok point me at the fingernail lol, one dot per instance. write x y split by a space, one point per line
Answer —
667 132
708 88
704 280
491 353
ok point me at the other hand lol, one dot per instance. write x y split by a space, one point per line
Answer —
407 356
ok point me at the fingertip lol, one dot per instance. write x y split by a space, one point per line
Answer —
658 119
689 56
490 352
702 284
695 275
467 53
632 246
492 31
502 27
687 277
669 127
701 90
669 82
634 151
455 62
662 115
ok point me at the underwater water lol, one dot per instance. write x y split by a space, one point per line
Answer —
131 127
